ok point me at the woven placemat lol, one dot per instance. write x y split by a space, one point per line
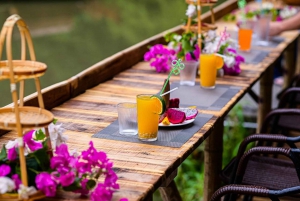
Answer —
208 99
167 136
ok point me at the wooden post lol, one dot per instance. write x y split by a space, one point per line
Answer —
170 193
212 14
213 160
265 103
298 57
290 64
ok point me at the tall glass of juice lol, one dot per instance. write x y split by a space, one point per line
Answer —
147 117
245 36
208 71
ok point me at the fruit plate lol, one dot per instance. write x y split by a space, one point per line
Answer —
181 124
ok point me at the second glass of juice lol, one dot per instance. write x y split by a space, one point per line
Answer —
208 71
245 36
147 118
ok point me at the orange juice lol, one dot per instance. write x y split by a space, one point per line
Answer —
208 70
147 118
245 38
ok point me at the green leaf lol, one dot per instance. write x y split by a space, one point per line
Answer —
90 184
54 121
42 158
3 153
40 135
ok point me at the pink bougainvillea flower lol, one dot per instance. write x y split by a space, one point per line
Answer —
123 199
17 180
101 193
30 142
46 184
12 154
235 69
4 170
159 56
67 179
111 180
196 52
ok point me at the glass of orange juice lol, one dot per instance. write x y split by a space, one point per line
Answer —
208 71
245 35
149 107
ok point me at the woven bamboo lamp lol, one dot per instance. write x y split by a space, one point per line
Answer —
18 117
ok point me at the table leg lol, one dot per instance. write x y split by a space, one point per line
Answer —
213 160
170 193
149 198
265 94
298 57
290 64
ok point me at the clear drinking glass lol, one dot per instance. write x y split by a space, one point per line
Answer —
188 74
127 118
262 29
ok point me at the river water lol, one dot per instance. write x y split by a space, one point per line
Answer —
70 36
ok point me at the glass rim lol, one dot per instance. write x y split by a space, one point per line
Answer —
126 105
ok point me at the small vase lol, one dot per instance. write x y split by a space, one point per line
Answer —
188 74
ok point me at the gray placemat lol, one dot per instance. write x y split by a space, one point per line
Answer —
208 99
167 136
253 56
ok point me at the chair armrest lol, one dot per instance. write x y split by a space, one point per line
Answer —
240 189
288 97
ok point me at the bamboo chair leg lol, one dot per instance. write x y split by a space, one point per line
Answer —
21 94
212 15
38 89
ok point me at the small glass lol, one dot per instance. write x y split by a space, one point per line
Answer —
147 118
245 35
262 29
188 74
127 118
208 71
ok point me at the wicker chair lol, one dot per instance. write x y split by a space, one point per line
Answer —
279 122
254 191
272 173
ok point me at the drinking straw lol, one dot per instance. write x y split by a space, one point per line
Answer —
169 91
177 67
224 36
242 4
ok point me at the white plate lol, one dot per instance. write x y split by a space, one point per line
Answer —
181 124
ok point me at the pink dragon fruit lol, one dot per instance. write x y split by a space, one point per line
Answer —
190 113
175 116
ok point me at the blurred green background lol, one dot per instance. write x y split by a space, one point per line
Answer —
71 35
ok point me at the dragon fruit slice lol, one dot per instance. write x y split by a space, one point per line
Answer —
190 113
175 116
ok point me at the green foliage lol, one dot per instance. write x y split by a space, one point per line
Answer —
39 135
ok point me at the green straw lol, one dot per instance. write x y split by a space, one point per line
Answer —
177 67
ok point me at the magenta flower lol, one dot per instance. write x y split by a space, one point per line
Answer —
46 184
17 180
31 143
12 154
196 52
160 56
101 193
4 170
67 179
234 70
111 180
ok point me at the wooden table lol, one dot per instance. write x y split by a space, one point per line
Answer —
86 103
